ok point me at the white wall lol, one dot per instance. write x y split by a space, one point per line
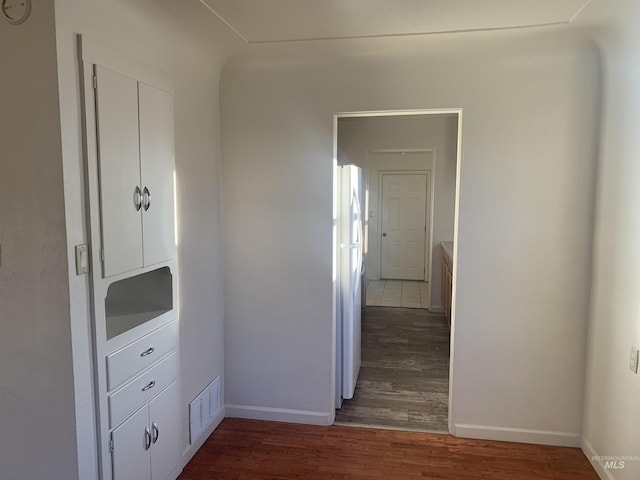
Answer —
357 136
37 424
612 399
529 100
188 43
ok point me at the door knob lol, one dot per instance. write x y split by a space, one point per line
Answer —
384 234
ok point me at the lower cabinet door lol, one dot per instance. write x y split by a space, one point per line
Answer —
131 445
166 431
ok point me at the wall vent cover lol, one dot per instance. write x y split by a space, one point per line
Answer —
203 409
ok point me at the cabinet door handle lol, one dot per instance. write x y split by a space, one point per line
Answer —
148 351
147 438
146 195
156 432
137 198
149 386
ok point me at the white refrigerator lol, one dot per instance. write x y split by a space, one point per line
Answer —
349 268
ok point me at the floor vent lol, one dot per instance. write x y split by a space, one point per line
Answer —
203 409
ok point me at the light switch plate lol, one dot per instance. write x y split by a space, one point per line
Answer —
633 361
82 259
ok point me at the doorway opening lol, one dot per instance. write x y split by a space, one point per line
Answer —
410 164
400 211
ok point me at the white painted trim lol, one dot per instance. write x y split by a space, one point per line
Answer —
400 150
395 113
520 435
224 20
456 233
193 448
428 273
430 169
431 213
334 389
280 414
92 52
590 452
417 33
391 113
575 15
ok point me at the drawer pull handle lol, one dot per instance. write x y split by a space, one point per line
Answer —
147 438
149 386
148 351
156 432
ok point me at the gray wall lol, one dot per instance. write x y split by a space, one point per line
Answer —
37 424
613 391
524 247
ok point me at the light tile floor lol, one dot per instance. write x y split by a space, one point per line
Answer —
398 293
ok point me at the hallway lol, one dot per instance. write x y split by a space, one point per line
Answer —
404 377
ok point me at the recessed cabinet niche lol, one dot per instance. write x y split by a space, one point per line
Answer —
135 156
135 300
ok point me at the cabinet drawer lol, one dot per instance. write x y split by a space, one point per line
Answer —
142 389
135 357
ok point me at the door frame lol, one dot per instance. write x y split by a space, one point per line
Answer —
428 212
456 231
431 171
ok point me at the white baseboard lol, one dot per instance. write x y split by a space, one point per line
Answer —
279 414
192 449
520 435
590 452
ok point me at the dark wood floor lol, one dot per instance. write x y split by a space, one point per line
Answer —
257 450
404 377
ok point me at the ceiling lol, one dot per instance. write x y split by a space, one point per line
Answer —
264 21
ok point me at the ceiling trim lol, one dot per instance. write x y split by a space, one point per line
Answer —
393 35
413 34
579 11
231 27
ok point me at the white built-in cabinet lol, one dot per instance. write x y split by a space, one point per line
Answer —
135 138
146 447
128 114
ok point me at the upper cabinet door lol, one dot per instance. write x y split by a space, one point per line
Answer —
119 166
157 173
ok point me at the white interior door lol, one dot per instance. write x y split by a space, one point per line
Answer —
403 222
157 166
119 164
